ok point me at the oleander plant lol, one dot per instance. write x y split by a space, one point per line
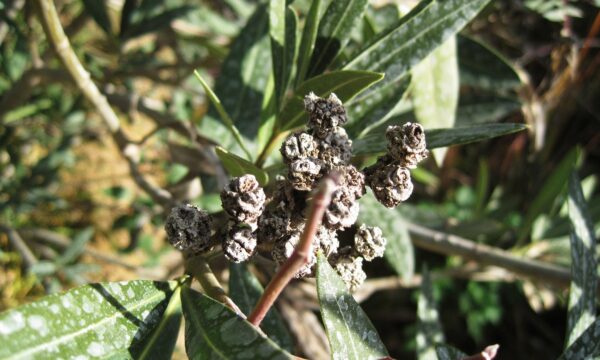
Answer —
278 179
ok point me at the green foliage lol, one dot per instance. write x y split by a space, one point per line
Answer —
429 328
350 332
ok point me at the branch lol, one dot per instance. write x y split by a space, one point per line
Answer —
300 256
454 245
131 153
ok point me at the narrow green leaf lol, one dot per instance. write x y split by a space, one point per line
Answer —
245 290
267 116
429 331
159 345
399 251
373 144
245 73
334 31
77 247
587 346
236 166
582 295
96 320
126 15
446 352
214 331
345 84
552 187
307 43
480 109
97 10
350 332
282 29
224 116
435 88
155 23
484 68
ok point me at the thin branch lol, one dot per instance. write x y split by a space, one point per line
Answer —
200 270
18 244
454 245
56 36
300 256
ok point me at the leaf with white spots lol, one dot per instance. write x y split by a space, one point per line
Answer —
93 321
429 331
399 251
582 295
245 291
587 345
435 88
446 352
214 331
350 332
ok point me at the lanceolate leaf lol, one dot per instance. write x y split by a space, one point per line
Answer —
481 109
282 30
350 332
345 84
445 352
373 144
429 328
335 28
399 251
434 89
161 342
587 346
236 166
214 331
245 73
97 320
245 291
582 295
97 10
307 43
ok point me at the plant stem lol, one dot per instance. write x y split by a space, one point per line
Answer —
130 151
300 256
275 137
199 269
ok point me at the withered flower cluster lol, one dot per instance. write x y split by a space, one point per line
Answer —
274 222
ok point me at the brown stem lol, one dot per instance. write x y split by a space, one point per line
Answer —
300 256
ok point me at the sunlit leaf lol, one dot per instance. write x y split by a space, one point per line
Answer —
282 30
587 345
237 166
345 84
307 43
582 294
245 291
97 10
429 331
213 330
350 332
399 251
446 352
97 320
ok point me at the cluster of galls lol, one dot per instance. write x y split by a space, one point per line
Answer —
275 223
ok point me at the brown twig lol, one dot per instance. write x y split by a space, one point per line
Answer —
300 256
131 152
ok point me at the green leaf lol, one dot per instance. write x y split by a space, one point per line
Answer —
429 331
155 23
335 28
435 88
236 166
483 67
245 291
97 10
214 99
350 332
399 251
307 43
77 247
484 108
126 16
159 345
446 352
587 346
582 295
415 36
373 144
552 187
282 29
245 73
345 84
97 320
214 331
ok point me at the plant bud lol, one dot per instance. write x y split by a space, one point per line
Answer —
303 173
349 268
240 243
336 148
284 249
391 184
324 114
369 242
342 210
299 146
243 199
406 144
188 228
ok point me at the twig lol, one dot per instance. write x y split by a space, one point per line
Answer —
454 245
131 153
17 242
300 256
199 269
